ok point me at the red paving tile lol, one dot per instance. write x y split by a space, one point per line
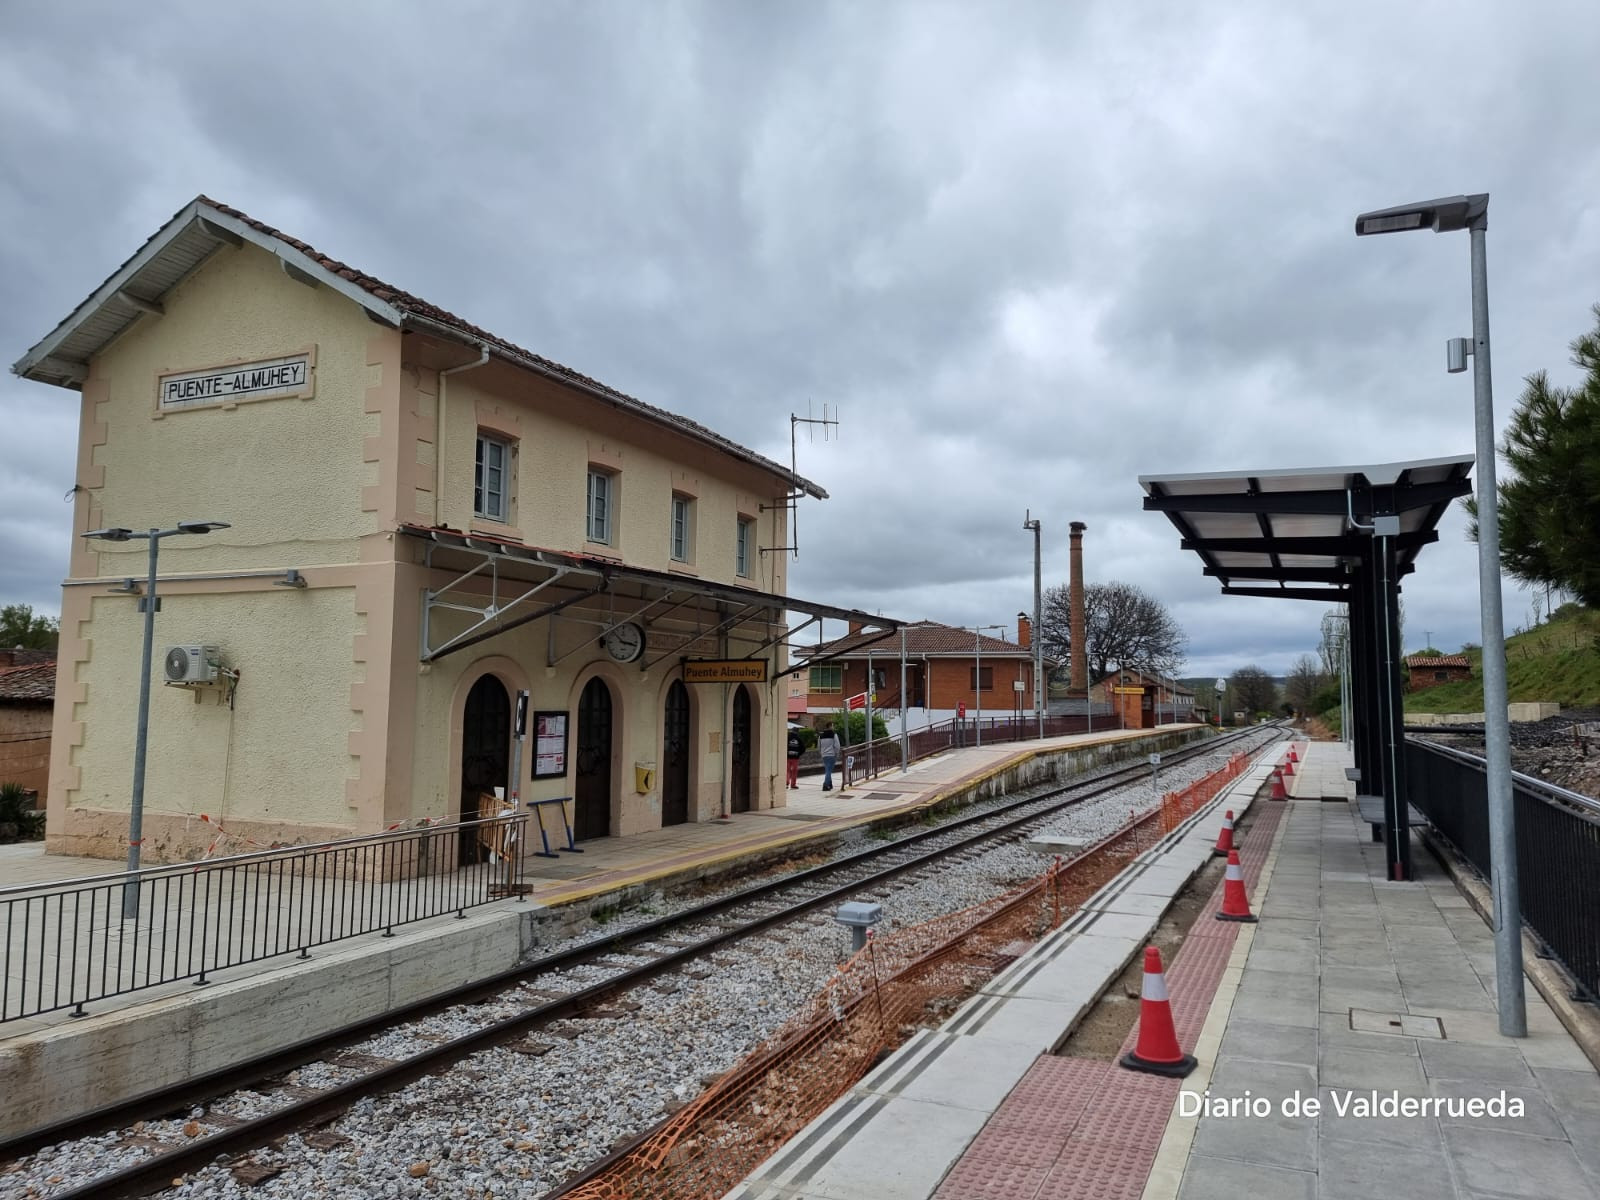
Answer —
1089 1130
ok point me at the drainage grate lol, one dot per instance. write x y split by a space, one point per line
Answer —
1364 1020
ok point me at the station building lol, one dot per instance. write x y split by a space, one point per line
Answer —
1144 699
425 520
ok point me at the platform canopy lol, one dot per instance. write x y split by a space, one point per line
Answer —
1341 535
1296 533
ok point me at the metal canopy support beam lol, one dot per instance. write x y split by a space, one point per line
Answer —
1326 595
1314 503
1340 546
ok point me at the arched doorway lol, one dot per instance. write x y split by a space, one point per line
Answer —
485 752
675 747
739 758
591 789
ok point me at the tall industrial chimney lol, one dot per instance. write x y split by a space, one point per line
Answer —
1080 653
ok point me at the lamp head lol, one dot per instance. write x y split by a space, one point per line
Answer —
201 526
1442 216
114 534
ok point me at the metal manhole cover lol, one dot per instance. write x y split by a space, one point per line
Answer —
1363 1020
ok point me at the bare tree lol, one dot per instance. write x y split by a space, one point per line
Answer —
1122 625
1305 680
1251 690
1335 632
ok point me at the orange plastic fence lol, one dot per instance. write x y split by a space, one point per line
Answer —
906 980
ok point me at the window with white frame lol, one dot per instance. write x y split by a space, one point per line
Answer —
491 486
682 528
602 493
744 550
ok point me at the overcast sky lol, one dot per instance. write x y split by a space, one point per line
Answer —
1028 253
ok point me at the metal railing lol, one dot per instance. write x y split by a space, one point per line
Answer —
1558 848
955 734
67 944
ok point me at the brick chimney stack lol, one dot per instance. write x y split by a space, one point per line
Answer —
1080 653
1024 631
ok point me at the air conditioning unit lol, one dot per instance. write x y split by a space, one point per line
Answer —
191 664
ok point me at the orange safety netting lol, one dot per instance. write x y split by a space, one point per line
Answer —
908 979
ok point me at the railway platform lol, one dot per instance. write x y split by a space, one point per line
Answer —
1371 1000
60 1066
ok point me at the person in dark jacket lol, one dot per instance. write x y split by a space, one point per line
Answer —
797 747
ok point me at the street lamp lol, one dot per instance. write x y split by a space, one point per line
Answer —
1444 216
977 680
148 606
1221 685
1037 638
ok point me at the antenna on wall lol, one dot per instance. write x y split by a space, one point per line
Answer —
828 421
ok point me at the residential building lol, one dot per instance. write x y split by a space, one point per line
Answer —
947 668
428 523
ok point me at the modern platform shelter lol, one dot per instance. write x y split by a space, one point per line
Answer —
424 524
1334 535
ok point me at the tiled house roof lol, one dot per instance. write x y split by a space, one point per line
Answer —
924 638
36 682
1438 661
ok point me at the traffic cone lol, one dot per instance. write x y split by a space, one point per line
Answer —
1294 755
1157 1051
1278 792
1235 903
1288 767
1225 838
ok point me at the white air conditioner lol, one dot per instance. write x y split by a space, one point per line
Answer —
191 664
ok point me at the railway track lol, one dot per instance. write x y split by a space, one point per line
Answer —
637 955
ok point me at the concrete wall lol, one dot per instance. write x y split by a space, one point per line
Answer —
1522 711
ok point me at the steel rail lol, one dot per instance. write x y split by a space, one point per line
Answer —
157 1171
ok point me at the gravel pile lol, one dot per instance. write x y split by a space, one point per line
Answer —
515 1121
1563 750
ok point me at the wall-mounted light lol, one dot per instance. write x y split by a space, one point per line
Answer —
128 587
291 578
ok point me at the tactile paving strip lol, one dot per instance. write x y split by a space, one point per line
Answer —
1087 1129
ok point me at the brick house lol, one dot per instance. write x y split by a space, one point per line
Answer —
27 702
1430 670
946 667
1143 699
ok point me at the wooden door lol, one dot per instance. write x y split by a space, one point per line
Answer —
591 789
675 748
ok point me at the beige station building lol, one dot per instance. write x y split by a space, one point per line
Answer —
424 522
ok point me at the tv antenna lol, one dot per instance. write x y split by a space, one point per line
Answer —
828 422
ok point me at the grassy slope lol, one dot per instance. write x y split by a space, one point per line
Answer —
1559 660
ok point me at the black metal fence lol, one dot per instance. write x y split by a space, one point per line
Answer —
69 944
1558 848
956 733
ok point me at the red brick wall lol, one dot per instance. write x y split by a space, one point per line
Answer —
25 746
950 683
1422 677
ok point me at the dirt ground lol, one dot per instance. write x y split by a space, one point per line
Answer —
1101 1033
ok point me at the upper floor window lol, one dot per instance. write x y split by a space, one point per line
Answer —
602 490
827 679
682 528
744 550
490 490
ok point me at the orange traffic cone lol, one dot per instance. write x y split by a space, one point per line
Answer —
1294 755
1235 903
1225 838
1278 792
1157 1050
1288 767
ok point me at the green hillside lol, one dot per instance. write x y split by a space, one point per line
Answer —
1559 660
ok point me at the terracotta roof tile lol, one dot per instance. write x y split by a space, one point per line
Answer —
402 299
36 681
923 637
1439 660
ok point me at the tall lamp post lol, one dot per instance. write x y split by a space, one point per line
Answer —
1037 637
148 606
1221 687
1447 215
977 680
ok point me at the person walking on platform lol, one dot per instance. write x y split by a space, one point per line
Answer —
828 744
797 747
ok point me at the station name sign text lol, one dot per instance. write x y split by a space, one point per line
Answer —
289 376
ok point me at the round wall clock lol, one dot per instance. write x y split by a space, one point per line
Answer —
624 643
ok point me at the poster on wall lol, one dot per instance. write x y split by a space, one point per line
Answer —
549 744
